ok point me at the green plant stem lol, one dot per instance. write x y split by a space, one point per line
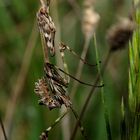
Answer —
90 94
106 114
98 64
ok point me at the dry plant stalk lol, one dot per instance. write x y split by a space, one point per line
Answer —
18 87
66 119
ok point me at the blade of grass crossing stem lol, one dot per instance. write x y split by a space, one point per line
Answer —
106 114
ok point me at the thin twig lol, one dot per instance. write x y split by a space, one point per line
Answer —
3 130
90 94
18 86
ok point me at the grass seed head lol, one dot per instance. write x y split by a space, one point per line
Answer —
90 21
120 33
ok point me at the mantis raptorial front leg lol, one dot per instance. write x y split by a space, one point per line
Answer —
64 47
64 62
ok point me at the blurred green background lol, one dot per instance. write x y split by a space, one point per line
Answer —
21 64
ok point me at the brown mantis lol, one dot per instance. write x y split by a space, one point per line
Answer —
51 88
